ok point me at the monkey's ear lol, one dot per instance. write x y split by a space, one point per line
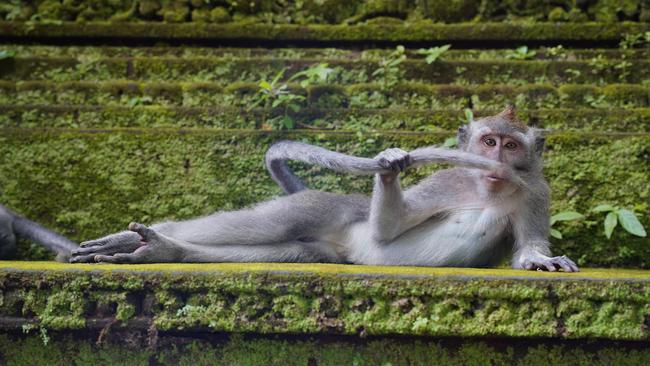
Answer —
510 113
462 136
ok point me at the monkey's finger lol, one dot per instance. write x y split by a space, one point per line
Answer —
145 232
116 258
401 163
83 258
92 243
549 266
571 264
564 265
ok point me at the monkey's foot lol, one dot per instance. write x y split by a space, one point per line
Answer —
551 264
139 245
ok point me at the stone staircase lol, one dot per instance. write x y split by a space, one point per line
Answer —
115 111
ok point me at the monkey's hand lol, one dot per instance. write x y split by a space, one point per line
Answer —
544 263
394 160
139 245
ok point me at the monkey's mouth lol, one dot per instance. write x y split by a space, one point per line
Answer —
494 178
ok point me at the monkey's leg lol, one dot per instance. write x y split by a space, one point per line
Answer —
304 216
156 247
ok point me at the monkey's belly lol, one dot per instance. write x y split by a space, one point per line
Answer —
469 238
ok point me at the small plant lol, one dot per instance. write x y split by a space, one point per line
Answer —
627 218
143 100
450 142
389 73
6 54
276 94
521 53
433 53
572 74
563 216
557 52
630 41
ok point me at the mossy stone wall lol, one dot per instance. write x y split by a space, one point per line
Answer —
325 11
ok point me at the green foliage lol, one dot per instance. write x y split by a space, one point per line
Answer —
521 53
390 73
450 142
634 40
6 54
432 54
627 219
563 216
469 115
277 94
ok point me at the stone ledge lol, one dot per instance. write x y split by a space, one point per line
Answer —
554 32
327 299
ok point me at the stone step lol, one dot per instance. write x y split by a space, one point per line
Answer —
623 120
357 96
323 11
345 71
313 299
553 53
487 34
87 183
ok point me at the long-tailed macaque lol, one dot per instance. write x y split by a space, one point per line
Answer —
494 202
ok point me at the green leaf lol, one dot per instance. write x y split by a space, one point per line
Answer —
631 223
450 142
278 76
556 234
287 122
566 216
265 85
469 115
604 208
6 54
611 220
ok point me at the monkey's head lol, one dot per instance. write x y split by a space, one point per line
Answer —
503 137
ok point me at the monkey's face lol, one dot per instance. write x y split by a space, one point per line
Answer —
499 141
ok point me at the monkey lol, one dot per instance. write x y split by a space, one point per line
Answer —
494 201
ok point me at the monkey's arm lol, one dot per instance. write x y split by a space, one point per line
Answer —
391 213
280 152
531 226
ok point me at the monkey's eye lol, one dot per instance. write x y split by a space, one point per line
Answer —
490 142
511 145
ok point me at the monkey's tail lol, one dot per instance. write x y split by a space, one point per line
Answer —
39 234
280 152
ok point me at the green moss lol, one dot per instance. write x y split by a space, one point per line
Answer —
250 351
416 32
326 11
339 299
353 118
228 70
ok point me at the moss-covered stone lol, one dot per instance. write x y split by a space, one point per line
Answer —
332 11
329 299
350 119
325 54
356 96
229 70
416 32
134 349
78 182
